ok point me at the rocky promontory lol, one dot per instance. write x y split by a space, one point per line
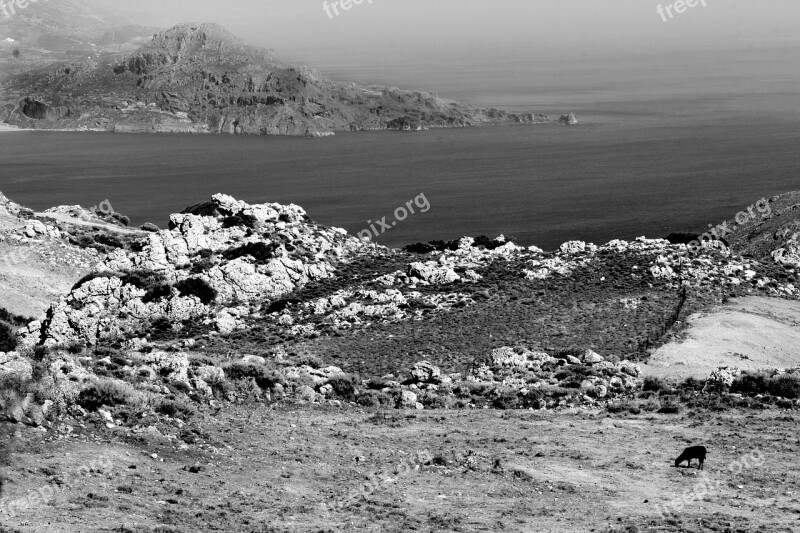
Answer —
198 78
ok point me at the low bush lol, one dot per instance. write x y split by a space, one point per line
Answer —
264 377
482 241
759 383
39 353
105 392
650 405
369 399
431 246
310 360
123 220
11 318
94 275
505 398
750 384
176 409
154 284
197 287
240 219
8 338
670 409
344 386
108 240
203 209
262 252
691 384
786 386
621 406
149 227
655 384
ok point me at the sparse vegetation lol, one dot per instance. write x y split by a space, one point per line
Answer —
106 392
265 378
755 383
149 227
8 338
262 252
154 284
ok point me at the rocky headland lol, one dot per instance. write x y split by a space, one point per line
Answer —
198 78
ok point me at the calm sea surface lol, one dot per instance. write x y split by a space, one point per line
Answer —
662 146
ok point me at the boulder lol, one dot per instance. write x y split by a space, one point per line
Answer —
722 376
591 357
210 373
506 356
254 360
789 255
12 363
425 372
432 273
307 394
171 366
408 400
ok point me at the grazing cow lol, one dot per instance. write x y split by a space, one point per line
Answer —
692 452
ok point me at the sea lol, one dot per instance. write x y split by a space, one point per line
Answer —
666 142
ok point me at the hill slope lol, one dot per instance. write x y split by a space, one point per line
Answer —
199 77
60 31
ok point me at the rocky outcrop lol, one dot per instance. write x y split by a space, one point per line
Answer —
568 120
216 253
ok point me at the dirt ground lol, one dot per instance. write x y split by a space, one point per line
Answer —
752 333
274 469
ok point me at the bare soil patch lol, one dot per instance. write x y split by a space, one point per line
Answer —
752 333
273 469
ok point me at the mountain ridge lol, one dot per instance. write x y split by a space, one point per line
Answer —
198 77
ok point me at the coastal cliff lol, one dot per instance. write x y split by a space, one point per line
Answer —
199 78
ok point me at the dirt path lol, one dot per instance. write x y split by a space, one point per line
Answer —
273 470
37 272
752 333
60 217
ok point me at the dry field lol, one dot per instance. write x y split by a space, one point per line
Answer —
274 469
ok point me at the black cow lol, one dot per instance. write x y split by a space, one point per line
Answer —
692 452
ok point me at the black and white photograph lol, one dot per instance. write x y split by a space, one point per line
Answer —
388 266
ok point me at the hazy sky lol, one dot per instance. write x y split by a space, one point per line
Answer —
478 26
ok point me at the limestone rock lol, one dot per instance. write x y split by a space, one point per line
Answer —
248 252
307 394
12 363
433 273
408 400
591 357
425 372
171 366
